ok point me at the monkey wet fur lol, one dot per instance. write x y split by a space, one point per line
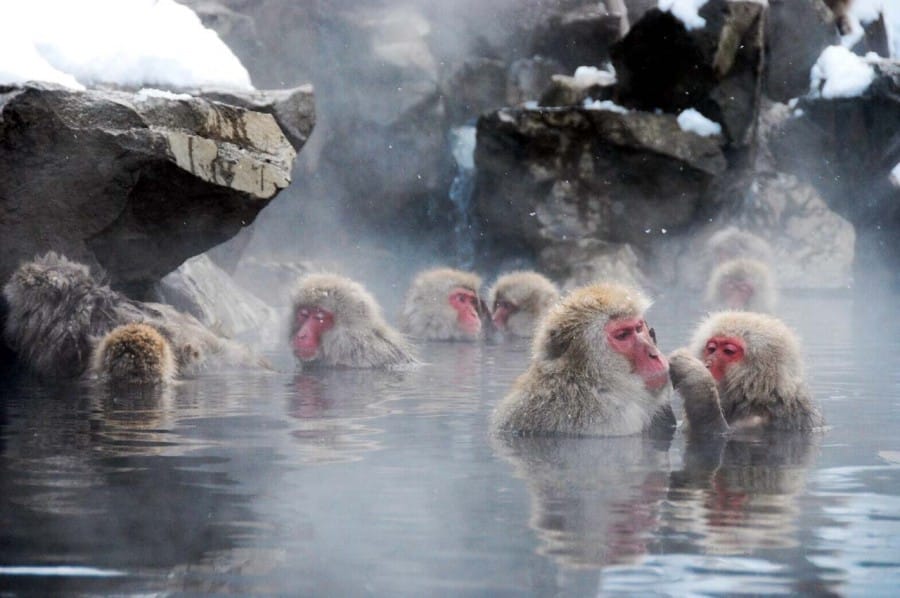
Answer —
134 354
337 323
595 370
743 370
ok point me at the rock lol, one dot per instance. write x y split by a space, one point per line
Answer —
529 77
205 291
478 85
578 37
132 183
662 65
549 176
796 33
847 147
294 109
566 91
271 280
587 261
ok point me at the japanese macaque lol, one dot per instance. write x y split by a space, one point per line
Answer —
741 284
519 300
732 243
134 354
443 304
336 322
743 370
58 310
595 370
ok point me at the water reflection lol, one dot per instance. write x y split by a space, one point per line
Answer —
594 501
335 409
737 495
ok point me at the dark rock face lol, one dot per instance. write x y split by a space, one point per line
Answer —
554 175
578 37
134 184
796 33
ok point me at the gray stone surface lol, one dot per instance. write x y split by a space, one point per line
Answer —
130 183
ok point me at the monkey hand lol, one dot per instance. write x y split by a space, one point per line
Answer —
699 392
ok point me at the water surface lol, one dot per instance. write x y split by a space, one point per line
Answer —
389 483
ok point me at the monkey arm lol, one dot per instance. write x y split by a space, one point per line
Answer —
692 380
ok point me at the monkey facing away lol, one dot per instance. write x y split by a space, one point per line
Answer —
336 322
741 284
743 370
134 354
595 370
518 300
443 304
58 310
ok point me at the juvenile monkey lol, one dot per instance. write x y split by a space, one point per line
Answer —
134 354
595 370
519 300
443 304
743 370
741 284
57 310
336 322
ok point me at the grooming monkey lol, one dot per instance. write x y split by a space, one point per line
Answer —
595 370
519 300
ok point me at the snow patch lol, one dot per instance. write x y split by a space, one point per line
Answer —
895 175
839 73
131 42
607 105
586 76
686 11
146 93
693 122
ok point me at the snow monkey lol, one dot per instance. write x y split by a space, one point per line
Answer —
134 354
519 300
595 370
732 243
58 310
741 284
336 322
743 370
443 304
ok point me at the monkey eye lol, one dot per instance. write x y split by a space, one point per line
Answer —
320 315
711 348
621 335
730 350
302 313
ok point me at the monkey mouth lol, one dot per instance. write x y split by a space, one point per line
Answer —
656 380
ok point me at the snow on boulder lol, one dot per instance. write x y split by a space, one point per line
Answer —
129 43
839 73
692 121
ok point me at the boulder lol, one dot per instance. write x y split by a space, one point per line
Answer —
131 183
205 291
547 176
580 36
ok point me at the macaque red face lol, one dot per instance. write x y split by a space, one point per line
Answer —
722 352
632 338
737 293
503 309
465 302
310 322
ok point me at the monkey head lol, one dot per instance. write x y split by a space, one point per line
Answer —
741 284
749 353
336 322
134 354
731 243
324 305
518 300
601 330
443 304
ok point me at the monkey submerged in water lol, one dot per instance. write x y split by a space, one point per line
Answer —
741 284
595 370
134 354
336 322
519 300
58 310
443 304
743 370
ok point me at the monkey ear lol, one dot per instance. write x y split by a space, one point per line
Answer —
556 344
653 336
